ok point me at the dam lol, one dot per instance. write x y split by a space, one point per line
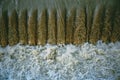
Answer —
59 22
59 40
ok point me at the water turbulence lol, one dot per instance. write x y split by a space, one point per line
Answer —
59 40
62 62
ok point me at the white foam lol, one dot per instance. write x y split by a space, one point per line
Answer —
61 62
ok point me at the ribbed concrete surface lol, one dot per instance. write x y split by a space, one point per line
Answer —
89 22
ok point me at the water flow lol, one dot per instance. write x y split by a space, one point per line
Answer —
61 62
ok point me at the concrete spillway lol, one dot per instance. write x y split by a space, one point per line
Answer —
58 22
59 40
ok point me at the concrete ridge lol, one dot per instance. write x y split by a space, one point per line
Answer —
62 26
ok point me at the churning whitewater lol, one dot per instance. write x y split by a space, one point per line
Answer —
61 62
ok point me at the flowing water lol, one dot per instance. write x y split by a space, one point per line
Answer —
57 62
61 62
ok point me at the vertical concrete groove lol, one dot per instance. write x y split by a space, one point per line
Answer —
4 29
23 27
32 25
106 33
89 10
0 27
42 28
61 26
97 24
13 28
70 24
116 27
52 27
80 28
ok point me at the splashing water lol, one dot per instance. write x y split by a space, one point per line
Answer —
61 62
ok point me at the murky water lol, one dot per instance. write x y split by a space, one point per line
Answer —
61 62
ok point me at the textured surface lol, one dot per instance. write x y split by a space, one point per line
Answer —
61 62
57 22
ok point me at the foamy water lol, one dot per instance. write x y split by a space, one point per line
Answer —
61 62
